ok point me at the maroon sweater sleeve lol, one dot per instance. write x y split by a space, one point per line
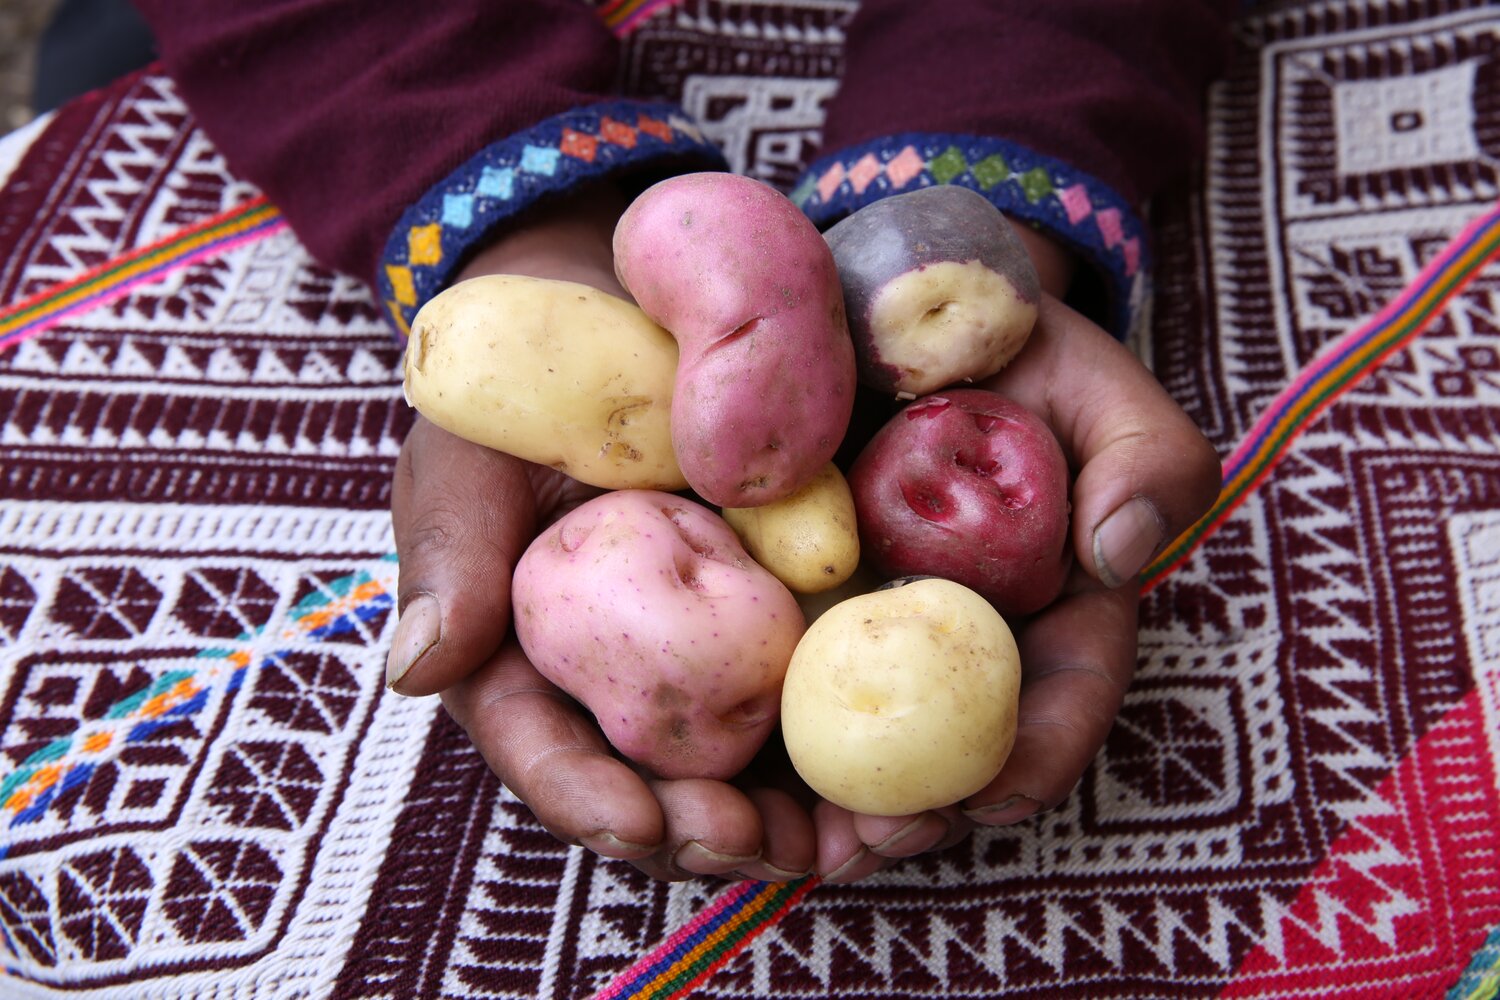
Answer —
1067 113
395 137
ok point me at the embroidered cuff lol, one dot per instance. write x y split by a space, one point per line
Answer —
1072 206
508 176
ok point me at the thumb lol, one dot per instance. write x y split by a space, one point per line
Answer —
1145 473
462 515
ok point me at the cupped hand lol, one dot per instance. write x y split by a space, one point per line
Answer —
463 515
1144 473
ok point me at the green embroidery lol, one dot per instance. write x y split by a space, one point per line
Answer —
1036 184
990 171
948 165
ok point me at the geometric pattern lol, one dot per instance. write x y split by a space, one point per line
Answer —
206 790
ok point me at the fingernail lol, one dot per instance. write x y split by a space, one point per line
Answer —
1004 812
892 844
847 866
608 845
694 857
418 631
764 871
1126 540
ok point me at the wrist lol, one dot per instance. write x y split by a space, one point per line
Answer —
1055 264
568 240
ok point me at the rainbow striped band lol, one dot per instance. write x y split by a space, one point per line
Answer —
709 940
1338 368
253 220
623 16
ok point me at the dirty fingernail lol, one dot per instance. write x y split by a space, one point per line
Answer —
1126 540
418 631
844 870
1005 812
906 840
764 871
694 857
608 845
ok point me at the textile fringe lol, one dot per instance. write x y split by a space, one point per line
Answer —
253 220
1341 364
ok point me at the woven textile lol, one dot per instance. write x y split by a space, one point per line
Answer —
205 790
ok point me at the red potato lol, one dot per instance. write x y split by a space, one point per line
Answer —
939 288
972 487
744 282
644 607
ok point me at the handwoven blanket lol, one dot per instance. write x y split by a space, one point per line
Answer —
206 791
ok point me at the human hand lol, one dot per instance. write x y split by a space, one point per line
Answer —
1143 474
463 515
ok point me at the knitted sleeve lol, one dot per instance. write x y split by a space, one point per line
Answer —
1069 114
396 137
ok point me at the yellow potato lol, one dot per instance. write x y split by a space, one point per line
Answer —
902 700
808 540
552 372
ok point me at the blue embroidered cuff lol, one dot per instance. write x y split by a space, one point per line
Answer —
433 236
1077 209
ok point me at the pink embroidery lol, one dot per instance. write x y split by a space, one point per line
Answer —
830 181
1132 256
1075 200
1109 226
864 172
904 166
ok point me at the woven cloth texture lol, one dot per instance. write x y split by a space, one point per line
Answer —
207 791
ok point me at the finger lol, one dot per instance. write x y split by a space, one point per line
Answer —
791 844
1145 473
711 829
1078 657
904 836
548 752
842 856
462 516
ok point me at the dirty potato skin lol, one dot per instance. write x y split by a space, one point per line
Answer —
644 607
743 280
902 700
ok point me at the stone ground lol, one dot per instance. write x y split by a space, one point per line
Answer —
21 22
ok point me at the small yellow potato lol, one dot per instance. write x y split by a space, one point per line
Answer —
808 540
553 372
902 700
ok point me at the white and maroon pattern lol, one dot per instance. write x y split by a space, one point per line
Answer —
1300 795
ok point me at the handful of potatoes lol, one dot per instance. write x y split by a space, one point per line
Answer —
729 383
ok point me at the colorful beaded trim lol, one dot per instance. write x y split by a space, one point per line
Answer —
1074 207
514 173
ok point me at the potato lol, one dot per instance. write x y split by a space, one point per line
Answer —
645 608
970 486
939 289
808 540
742 279
552 372
902 700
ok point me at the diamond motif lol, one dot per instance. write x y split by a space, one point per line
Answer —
220 890
17 598
102 900
106 602
224 602
305 690
266 785
26 917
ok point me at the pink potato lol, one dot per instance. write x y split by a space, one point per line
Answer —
744 282
644 607
972 487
